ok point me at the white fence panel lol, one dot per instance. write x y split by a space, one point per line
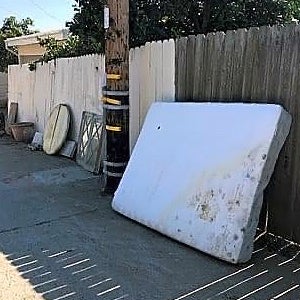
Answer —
152 79
3 89
76 82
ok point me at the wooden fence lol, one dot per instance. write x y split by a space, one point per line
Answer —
256 65
3 89
76 82
152 78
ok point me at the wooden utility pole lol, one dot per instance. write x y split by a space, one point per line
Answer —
116 92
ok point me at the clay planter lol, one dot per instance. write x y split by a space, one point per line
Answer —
22 132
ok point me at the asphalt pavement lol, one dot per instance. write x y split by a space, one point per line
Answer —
61 239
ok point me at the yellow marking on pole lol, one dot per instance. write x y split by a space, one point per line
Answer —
113 128
111 101
113 77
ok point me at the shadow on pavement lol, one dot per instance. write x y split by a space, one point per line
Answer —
65 240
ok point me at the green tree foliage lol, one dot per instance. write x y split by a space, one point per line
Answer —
87 32
162 19
294 9
55 49
11 27
87 24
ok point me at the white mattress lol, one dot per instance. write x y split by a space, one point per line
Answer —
198 172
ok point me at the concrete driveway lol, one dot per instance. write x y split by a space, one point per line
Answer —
59 239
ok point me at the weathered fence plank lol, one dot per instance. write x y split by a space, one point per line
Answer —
152 78
199 48
134 91
145 87
3 89
159 70
190 67
238 63
216 62
152 72
168 71
181 69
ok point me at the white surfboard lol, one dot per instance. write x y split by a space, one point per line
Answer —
56 130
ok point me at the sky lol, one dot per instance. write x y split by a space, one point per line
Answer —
46 14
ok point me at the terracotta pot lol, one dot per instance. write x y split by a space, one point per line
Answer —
23 132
